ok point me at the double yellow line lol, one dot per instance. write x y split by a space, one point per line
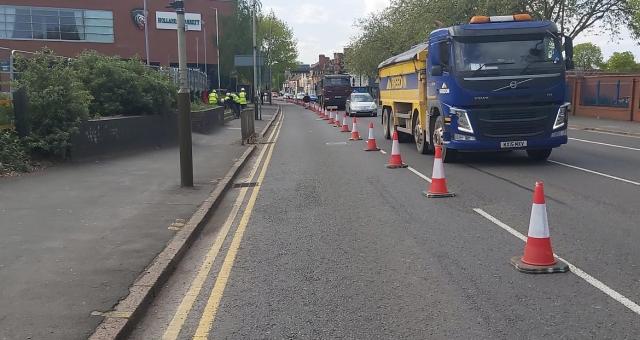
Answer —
209 313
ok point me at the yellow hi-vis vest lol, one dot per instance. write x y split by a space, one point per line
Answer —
213 98
243 98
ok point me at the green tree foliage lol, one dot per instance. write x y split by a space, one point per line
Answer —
124 87
278 46
13 156
58 102
236 37
408 22
622 62
587 56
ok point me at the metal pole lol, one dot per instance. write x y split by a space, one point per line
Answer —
218 47
255 64
204 28
184 102
146 31
198 52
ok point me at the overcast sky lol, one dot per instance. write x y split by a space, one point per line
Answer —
325 26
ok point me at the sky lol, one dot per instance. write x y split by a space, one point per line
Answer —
326 26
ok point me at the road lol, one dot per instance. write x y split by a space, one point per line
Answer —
323 241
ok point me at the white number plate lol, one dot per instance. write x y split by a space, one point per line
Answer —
513 144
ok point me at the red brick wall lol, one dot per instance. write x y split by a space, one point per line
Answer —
583 95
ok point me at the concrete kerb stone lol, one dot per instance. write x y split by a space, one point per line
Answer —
620 132
146 286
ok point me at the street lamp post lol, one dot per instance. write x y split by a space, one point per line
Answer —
255 63
184 101
146 31
217 45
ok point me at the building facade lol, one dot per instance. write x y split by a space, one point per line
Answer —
114 28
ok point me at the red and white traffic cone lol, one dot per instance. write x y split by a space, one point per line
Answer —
371 141
538 256
395 161
338 122
345 126
331 118
325 116
355 134
438 186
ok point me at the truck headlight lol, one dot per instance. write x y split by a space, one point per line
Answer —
561 117
374 106
464 124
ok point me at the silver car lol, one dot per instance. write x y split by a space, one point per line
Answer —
361 104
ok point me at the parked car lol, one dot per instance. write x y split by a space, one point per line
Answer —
314 98
361 104
288 96
300 95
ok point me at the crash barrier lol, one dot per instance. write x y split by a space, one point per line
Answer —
610 96
538 255
247 125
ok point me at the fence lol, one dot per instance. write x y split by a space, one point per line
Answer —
605 96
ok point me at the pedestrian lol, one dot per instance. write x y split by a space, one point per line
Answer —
242 97
213 98
236 104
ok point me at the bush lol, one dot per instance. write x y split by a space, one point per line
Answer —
6 111
124 87
58 102
13 156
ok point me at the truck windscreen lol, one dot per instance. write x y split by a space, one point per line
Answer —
500 56
337 82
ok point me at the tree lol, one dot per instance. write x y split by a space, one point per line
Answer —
236 38
622 62
278 47
587 56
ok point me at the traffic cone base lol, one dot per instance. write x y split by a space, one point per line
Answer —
355 138
397 166
558 267
437 194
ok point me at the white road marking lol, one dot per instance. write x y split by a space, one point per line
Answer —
419 174
605 132
234 128
596 173
605 144
383 152
634 307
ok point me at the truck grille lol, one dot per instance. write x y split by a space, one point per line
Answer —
513 122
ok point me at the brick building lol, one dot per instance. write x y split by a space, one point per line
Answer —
112 27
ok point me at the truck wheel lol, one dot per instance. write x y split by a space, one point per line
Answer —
539 155
386 124
448 155
420 137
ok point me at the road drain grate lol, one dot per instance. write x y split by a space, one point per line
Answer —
245 185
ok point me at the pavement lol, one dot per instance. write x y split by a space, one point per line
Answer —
320 240
74 236
605 125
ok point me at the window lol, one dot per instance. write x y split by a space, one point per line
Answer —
43 23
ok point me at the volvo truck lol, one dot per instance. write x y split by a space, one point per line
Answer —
494 84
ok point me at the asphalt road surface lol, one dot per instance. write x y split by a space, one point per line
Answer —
323 241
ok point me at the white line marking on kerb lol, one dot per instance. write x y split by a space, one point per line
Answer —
383 152
605 144
634 307
419 174
596 173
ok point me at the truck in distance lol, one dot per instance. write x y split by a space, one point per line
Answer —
333 90
497 83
